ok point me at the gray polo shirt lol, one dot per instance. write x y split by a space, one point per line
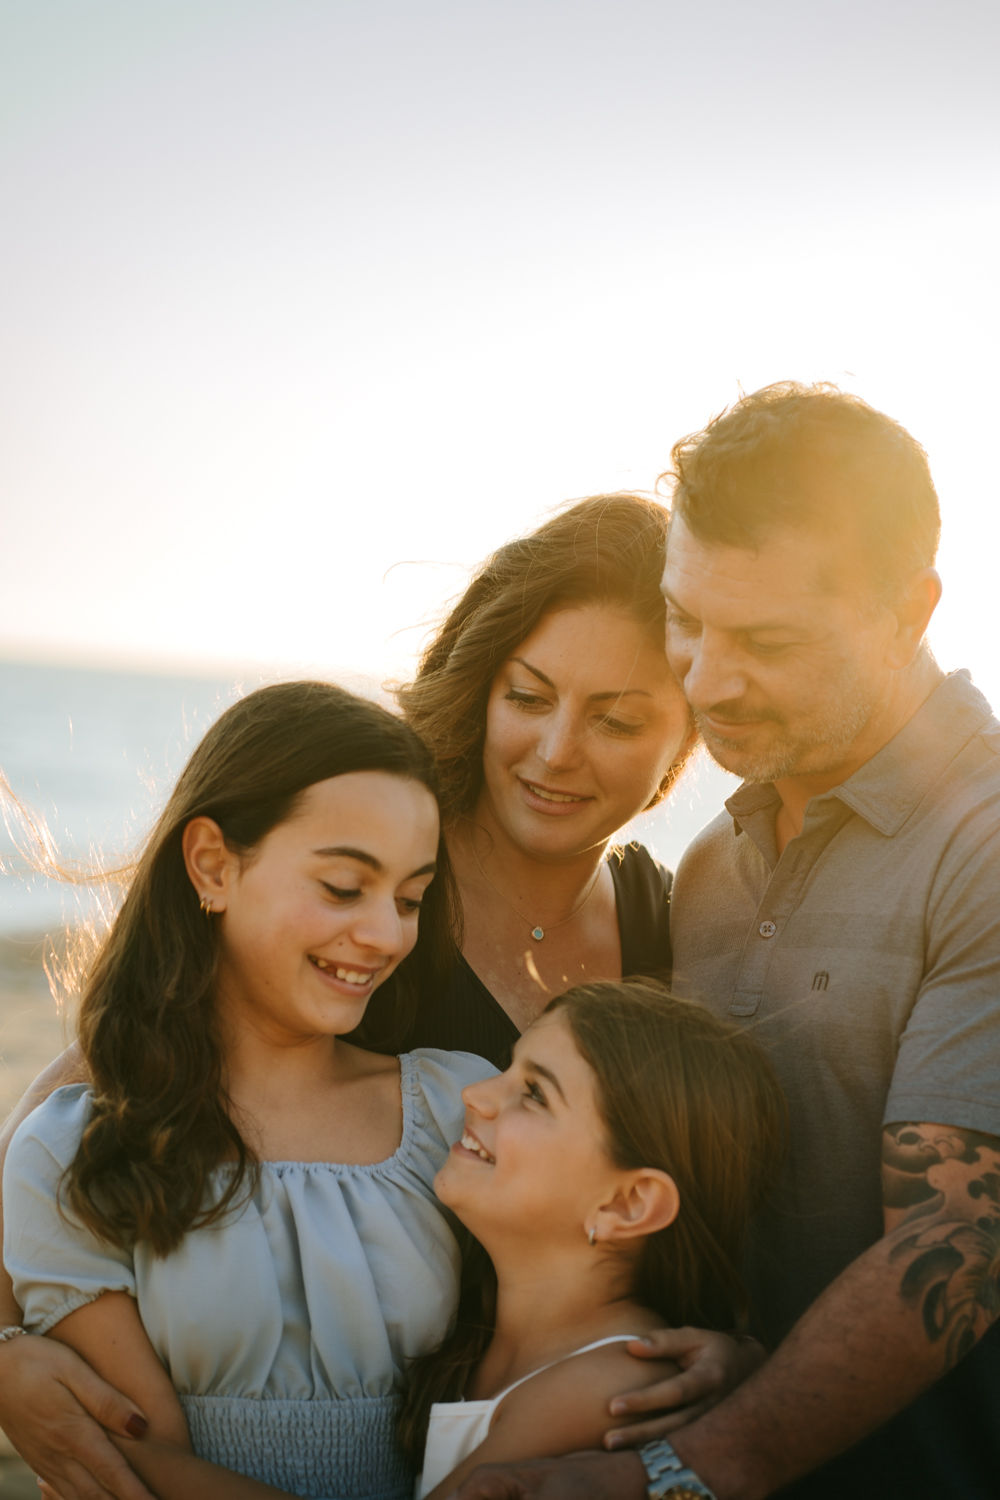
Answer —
867 962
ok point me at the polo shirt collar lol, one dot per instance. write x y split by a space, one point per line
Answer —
887 788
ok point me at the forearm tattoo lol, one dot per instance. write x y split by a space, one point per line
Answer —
946 1181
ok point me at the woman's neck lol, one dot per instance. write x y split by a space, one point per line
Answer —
542 888
508 893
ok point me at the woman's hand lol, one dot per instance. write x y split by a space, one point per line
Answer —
53 1408
712 1364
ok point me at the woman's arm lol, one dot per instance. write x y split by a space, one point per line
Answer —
109 1335
561 1410
53 1407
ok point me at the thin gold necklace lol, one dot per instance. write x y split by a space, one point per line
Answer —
538 931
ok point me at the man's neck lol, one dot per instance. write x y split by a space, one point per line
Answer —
911 690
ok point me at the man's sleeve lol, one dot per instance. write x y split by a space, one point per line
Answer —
948 1064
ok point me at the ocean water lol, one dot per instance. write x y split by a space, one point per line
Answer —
95 753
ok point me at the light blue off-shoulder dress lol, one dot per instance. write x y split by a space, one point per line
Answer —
285 1328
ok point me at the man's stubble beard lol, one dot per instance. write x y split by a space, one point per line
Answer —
814 748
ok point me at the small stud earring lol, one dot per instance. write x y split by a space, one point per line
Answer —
206 905
592 1236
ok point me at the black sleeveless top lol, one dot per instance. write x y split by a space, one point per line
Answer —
466 1017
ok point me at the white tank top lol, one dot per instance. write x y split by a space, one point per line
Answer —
458 1427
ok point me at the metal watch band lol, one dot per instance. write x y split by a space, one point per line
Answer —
669 1476
11 1332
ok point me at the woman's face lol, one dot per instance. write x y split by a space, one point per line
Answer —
582 724
325 908
532 1161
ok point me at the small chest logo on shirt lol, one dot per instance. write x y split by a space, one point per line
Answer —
821 980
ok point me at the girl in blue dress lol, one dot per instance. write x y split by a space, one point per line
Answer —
234 1219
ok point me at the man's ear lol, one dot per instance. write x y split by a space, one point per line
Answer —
913 611
210 864
648 1200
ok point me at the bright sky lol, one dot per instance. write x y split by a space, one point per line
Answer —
292 291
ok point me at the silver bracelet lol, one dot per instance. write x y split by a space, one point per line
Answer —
669 1476
11 1332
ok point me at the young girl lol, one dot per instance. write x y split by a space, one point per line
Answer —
234 1221
609 1173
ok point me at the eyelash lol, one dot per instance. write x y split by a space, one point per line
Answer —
623 731
408 901
612 726
339 894
532 1091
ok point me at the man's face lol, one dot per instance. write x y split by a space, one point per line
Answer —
783 677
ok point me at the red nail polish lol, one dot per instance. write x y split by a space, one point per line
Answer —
137 1426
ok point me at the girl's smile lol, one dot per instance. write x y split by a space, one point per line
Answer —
470 1145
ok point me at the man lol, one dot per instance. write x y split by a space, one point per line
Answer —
847 908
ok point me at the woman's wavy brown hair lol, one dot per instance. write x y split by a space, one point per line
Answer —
607 550
679 1090
161 1125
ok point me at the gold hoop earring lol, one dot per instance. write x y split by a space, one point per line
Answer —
206 905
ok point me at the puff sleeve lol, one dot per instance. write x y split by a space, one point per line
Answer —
439 1114
54 1261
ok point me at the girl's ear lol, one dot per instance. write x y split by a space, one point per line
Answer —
209 863
647 1201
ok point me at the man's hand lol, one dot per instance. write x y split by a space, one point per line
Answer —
53 1408
711 1365
580 1476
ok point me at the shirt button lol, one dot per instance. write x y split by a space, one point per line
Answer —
767 929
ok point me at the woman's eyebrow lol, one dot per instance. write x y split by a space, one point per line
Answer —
594 697
619 693
534 671
545 1073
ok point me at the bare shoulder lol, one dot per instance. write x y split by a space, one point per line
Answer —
359 1064
569 1401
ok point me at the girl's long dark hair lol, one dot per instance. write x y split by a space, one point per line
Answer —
161 1125
679 1090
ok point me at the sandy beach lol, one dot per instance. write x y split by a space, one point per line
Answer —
32 1033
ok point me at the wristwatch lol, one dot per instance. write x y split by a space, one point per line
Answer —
669 1476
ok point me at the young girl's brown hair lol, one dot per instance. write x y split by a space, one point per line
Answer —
679 1090
607 550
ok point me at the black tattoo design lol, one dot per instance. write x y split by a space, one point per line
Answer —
952 1254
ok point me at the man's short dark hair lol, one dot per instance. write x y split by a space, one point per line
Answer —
810 458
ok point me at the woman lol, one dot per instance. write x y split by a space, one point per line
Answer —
554 720
232 1153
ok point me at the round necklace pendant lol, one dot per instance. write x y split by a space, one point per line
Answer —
538 933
